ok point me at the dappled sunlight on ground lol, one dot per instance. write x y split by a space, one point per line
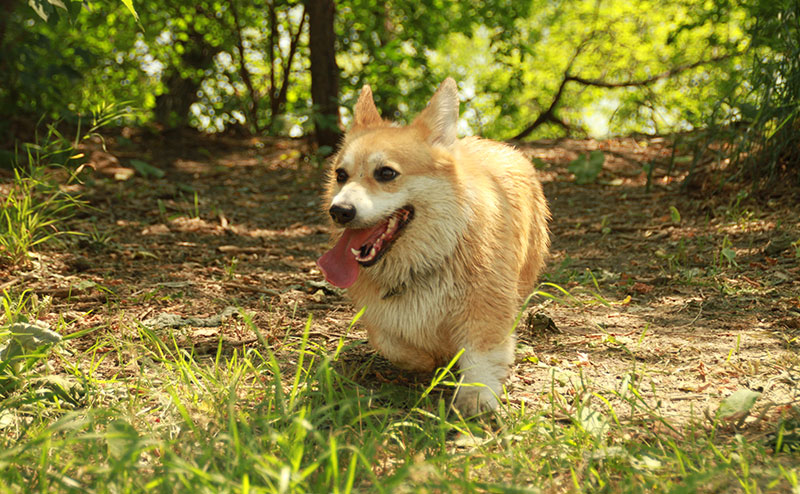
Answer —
684 298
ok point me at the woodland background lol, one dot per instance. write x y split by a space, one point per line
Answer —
526 69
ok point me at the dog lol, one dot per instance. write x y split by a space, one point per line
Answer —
439 238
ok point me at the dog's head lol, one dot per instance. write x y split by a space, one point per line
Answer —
394 188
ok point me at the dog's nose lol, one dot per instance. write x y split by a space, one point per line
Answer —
342 214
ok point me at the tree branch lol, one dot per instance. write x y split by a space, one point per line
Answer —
280 101
244 74
271 40
549 115
650 80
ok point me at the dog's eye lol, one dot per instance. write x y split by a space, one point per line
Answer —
341 176
385 174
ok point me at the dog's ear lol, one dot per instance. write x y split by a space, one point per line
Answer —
365 114
440 117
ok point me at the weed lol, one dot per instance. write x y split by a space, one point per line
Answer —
29 216
196 209
726 254
98 240
162 210
675 215
677 258
34 205
604 228
24 344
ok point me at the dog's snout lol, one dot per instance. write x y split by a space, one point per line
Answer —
342 214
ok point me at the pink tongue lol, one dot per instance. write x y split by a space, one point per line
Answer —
339 265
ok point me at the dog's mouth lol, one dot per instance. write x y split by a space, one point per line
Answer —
382 237
362 247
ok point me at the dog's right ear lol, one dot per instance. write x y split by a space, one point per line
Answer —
365 114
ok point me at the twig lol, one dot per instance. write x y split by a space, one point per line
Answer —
250 288
14 281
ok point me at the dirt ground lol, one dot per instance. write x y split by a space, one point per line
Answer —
691 294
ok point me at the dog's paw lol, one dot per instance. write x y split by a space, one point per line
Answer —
475 399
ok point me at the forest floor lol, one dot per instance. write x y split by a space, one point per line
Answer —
691 294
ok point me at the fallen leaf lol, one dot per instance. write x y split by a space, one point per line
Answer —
737 405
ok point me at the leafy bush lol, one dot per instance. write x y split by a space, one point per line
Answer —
773 147
758 119
587 167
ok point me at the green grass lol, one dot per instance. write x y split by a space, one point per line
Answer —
32 205
137 412
29 216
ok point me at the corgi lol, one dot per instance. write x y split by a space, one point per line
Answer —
440 238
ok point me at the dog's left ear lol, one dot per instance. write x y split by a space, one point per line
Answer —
440 117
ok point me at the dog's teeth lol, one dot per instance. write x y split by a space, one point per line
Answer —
372 253
355 252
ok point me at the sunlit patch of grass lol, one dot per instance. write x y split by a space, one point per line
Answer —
286 417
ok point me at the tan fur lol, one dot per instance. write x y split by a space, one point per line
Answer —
456 276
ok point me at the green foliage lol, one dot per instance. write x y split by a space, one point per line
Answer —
390 45
145 169
581 67
512 80
675 215
34 205
47 8
26 215
771 144
215 65
24 342
738 404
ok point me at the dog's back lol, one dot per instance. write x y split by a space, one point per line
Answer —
510 208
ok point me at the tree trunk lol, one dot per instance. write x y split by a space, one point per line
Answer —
324 72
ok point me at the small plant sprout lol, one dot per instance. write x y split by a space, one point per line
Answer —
604 228
674 215
230 269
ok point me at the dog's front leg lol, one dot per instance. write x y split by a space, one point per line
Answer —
399 352
483 372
